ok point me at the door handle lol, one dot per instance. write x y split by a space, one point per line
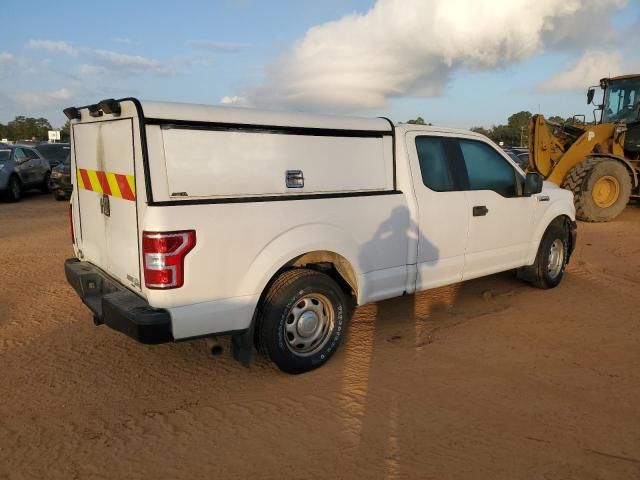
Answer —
480 211
105 206
294 179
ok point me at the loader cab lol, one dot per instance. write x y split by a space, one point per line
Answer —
621 100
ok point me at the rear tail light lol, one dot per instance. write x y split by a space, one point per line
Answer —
163 254
73 240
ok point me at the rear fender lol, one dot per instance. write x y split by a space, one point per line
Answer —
292 244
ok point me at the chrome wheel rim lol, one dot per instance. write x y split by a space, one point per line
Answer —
556 258
309 324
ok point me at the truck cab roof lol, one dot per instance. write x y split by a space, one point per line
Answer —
410 127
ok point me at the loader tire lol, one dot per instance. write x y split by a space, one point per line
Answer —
601 188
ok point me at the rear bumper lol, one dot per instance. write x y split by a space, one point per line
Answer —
61 185
116 306
66 189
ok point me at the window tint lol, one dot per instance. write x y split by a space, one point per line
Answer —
31 153
487 169
19 154
434 166
53 151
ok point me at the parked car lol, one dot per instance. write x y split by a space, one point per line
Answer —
523 160
22 168
55 153
191 221
60 183
519 155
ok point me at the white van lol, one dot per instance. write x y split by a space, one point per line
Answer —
192 221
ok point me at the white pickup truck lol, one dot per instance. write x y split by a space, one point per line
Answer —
192 221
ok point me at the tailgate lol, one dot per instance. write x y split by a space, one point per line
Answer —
106 187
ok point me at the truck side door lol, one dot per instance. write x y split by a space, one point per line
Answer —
442 213
500 224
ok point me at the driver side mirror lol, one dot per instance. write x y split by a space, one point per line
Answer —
532 184
590 94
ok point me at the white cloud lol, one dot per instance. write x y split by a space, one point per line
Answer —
235 100
6 58
588 70
223 47
42 100
129 63
88 70
53 46
106 61
412 47
122 40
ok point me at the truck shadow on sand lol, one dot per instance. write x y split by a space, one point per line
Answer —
389 339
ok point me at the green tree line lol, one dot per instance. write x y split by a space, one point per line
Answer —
31 129
514 133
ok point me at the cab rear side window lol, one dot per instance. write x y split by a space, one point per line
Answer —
434 165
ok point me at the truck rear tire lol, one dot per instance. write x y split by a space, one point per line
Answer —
302 320
601 188
551 260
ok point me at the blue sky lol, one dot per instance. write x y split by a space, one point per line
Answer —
204 51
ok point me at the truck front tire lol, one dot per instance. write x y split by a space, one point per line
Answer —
551 260
302 320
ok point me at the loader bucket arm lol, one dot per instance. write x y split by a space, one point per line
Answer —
545 149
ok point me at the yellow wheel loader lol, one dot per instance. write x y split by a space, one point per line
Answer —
600 161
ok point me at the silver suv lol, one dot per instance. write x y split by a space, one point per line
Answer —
22 168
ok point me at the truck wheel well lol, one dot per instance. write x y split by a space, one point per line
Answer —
332 264
559 220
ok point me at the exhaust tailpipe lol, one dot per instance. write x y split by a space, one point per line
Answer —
214 346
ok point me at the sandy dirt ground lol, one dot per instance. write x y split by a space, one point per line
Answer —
489 379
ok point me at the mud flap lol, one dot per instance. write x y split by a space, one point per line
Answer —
242 346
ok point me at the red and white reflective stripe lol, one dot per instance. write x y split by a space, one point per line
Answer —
112 184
